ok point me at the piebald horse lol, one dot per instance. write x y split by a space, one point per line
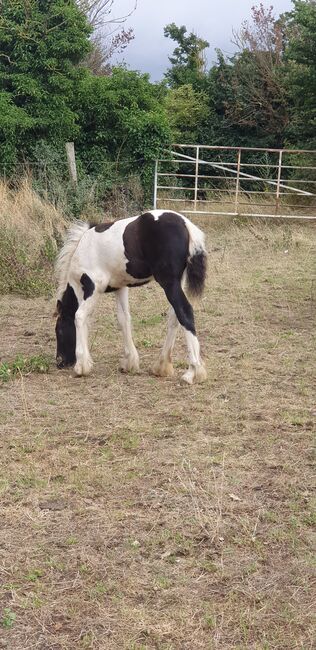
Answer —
95 259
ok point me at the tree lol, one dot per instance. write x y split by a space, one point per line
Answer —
41 46
187 111
108 37
259 104
121 119
14 124
300 54
104 47
188 59
97 11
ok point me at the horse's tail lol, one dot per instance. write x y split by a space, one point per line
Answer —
73 236
197 260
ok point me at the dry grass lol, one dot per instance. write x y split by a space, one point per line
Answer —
30 229
137 514
221 203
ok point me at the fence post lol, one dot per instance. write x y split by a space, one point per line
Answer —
71 158
196 183
237 180
277 200
155 184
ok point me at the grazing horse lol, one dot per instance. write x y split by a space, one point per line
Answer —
95 259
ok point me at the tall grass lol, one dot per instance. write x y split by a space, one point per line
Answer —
31 230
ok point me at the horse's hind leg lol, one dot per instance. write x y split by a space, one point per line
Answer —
174 292
84 362
164 367
196 370
130 361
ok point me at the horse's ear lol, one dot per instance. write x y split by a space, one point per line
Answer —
57 310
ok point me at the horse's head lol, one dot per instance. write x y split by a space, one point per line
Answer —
66 329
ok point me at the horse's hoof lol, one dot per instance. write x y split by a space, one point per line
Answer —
163 369
195 374
129 364
200 373
83 369
187 378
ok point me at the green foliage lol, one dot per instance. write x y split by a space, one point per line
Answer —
50 178
301 73
187 111
121 118
15 122
8 618
21 365
188 60
48 98
41 45
249 97
262 96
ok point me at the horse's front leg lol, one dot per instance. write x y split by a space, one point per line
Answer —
130 361
84 362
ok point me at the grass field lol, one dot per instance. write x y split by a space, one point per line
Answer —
138 514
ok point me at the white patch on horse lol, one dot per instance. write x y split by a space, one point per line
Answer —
196 370
164 367
63 261
102 254
197 238
159 213
130 361
84 362
156 213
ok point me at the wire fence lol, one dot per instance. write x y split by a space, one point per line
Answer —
194 179
113 186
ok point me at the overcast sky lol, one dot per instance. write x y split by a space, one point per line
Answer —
209 19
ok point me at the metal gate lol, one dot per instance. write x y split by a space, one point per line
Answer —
237 181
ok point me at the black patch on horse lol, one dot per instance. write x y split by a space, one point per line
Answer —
165 245
110 289
152 245
160 247
66 329
68 305
138 284
101 227
137 266
87 285
196 273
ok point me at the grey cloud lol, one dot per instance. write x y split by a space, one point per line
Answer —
210 19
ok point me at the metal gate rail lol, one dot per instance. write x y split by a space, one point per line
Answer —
229 189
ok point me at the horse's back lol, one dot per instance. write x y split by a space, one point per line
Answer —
127 251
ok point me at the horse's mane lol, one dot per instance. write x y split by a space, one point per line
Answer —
63 260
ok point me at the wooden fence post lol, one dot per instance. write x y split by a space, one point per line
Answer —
71 158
